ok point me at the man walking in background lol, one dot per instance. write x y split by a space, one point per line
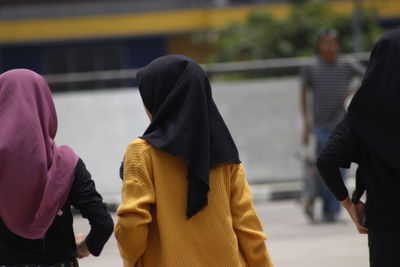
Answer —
328 80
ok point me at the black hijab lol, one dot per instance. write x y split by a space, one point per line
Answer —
374 111
186 122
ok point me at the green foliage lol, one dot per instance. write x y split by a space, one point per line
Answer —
263 36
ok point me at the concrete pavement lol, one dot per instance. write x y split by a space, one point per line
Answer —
292 241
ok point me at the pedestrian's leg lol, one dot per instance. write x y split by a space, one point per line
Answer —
331 206
309 190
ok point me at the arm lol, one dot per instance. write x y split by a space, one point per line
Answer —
356 212
305 114
134 211
304 105
339 152
246 223
333 179
90 204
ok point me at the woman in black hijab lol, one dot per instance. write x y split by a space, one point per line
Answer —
185 199
369 135
186 122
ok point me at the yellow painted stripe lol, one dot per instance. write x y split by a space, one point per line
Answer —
167 22
100 26
389 8
126 24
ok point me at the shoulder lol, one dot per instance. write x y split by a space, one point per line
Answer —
138 164
80 165
81 170
232 169
138 147
140 144
138 155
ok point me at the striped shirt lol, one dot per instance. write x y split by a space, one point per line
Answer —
329 84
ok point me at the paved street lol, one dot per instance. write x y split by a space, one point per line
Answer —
291 240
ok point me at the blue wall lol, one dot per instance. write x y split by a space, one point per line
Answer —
29 57
142 51
138 52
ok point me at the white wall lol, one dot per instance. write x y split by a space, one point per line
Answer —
262 116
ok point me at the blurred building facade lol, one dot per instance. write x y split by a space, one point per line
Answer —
60 36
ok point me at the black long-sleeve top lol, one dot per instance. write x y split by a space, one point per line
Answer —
380 180
59 243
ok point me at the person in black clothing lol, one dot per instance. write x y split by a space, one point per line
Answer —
39 182
369 136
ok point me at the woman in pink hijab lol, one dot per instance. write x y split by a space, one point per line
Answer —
40 181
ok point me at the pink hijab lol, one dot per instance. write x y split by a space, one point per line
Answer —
35 174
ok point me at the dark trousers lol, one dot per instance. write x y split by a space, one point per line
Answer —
384 249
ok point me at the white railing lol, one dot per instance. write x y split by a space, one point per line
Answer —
214 68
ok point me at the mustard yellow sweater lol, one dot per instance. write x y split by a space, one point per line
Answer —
153 230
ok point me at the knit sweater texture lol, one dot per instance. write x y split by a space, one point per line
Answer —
153 229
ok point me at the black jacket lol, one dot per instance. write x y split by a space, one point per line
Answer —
59 242
374 175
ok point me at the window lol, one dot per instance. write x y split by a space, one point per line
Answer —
85 58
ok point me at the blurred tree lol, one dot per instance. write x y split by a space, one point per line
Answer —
263 36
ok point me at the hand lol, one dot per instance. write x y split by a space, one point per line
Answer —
359 209
81 247
356 212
